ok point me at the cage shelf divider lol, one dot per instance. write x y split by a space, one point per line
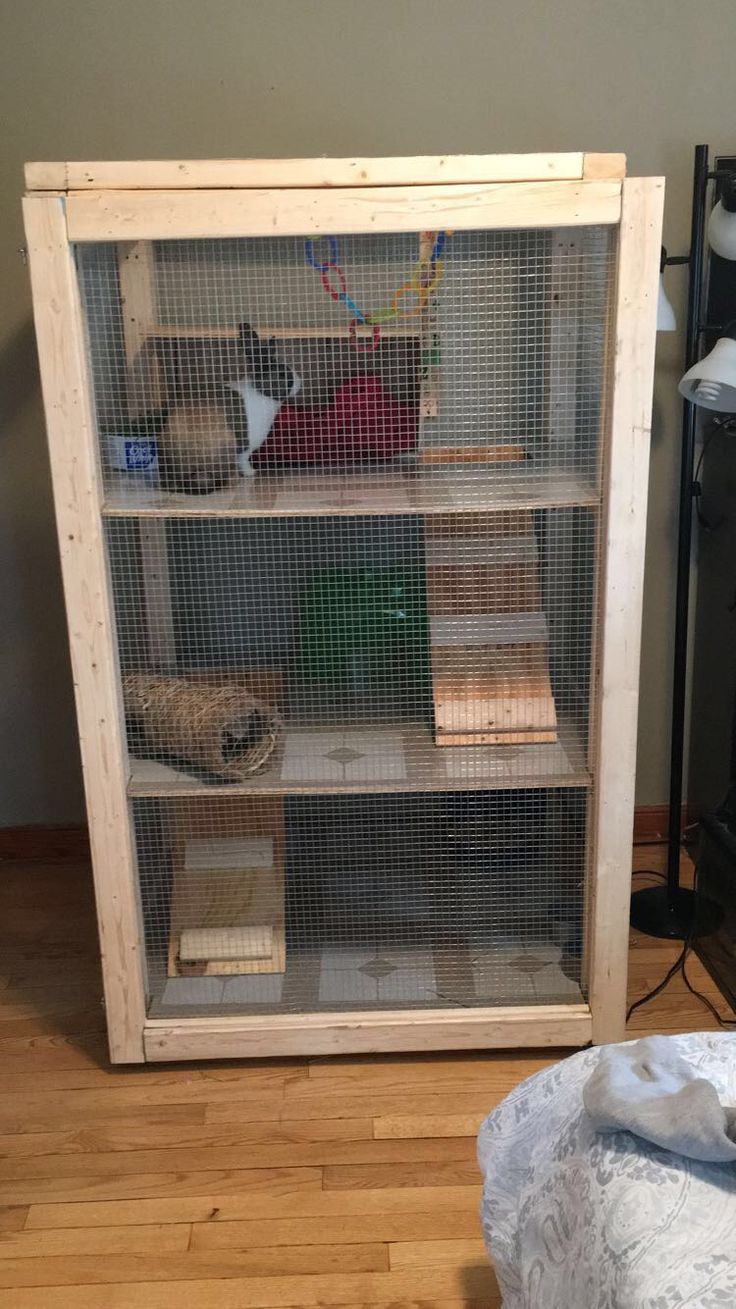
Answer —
410 637
421 766
498 488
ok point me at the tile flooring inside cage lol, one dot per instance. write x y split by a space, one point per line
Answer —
513 973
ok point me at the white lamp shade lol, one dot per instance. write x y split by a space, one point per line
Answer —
722 231
711 383
666 321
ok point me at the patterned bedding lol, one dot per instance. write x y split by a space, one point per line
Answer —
577 1220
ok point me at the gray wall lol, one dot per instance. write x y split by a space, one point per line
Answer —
92 79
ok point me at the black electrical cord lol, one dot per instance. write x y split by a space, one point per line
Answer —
718 425
679 966
659 988
722 1022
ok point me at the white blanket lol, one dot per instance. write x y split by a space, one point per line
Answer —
574 1219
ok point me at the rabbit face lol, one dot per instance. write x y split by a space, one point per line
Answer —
268 373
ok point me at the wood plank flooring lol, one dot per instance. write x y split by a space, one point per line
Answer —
348 1182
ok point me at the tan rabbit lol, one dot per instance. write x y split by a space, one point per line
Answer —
197 449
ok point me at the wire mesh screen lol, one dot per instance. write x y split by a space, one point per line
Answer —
363 902
352 495
471 374
436 652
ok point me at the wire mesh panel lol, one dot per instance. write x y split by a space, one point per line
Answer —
363 902
306 652
352 495
462 367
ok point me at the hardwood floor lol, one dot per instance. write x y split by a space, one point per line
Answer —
348 1182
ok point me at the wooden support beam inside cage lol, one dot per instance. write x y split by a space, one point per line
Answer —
506 453
433 447
429 374
488 632
227 903
136 275
146 391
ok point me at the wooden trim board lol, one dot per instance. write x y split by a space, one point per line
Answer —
67 391
621 601
178 215
651 822
419 170
48 845
412 1031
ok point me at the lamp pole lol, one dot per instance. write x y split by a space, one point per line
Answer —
670 910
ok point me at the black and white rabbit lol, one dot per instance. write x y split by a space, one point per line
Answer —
205 444
268 383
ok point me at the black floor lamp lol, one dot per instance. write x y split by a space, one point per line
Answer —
670 910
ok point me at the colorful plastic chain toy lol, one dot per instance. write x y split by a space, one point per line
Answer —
425 278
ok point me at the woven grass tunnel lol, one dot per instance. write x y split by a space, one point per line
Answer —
223 731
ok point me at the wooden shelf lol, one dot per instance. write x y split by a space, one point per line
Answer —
401 489
376 760
173 332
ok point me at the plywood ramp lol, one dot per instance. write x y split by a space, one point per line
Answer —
488 632
227 903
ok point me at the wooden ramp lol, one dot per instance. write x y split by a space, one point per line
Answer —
227 902
488 631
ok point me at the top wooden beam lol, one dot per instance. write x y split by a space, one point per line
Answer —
195 215
228 174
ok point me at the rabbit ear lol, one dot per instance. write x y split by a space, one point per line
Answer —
249 340
260 355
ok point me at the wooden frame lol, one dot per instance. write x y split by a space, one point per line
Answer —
368 1033
77 495
627 478
191 174
188 215
144 200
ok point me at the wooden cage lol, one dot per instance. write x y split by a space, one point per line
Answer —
358 730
